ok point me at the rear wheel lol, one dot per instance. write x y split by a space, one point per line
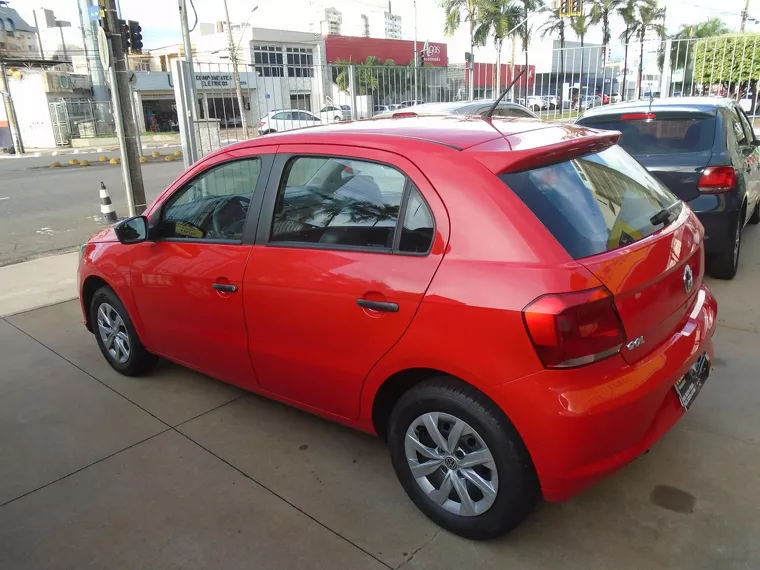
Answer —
755 218
725 265
116 335
460 460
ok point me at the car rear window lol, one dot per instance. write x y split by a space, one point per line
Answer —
594 203
661 135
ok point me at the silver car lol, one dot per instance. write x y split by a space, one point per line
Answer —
479 107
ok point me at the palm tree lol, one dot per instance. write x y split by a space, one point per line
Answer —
497 18
682 43
555 25
528 6
650 17
580 25
601 10
454 10
627 12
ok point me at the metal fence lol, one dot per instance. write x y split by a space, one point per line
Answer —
558 85
81 119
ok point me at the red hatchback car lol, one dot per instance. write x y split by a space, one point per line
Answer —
517 307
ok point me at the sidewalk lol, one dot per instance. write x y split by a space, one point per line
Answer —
39 282
177 470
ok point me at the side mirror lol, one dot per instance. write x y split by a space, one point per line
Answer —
132 230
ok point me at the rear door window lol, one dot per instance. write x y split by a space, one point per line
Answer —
662 135
594 203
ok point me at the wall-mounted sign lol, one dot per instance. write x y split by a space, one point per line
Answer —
216 80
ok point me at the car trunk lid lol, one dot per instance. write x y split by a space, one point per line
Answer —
679 172
654 283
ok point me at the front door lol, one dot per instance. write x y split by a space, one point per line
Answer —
188 283
348 242
752 164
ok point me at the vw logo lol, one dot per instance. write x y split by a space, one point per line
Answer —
688 279
450 462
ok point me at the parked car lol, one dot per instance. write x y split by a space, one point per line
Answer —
480 107
534 103
412 103
504 301
377 109
287 120
589 101
334 113
551 102
706 152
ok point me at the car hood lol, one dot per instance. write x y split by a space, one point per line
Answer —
105 235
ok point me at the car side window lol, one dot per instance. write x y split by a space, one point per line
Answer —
511 112
418 227
738 129
282 116
214 205
750 135
341 202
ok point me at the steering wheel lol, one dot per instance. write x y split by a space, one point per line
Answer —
229 215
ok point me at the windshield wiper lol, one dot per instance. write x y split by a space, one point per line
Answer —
663 217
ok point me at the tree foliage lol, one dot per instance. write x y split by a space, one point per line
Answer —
730 60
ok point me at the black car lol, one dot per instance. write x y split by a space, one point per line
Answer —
705 151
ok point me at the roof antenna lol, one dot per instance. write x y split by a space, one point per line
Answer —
496 103
651 100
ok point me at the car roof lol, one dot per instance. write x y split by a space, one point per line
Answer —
673 104
456 131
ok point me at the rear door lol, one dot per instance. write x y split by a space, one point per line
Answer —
675 147
603 208
751 154
349 241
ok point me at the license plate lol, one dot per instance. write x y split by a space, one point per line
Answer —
690 385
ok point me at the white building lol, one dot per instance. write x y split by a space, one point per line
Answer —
328 21
392 25
368 19
18 40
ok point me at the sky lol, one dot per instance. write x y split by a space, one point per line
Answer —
160 18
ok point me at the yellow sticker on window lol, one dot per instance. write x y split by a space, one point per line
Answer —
187 230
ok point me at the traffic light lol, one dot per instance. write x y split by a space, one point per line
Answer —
467 59
135 37
124 33
421 58
569 8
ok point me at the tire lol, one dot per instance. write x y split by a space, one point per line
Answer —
338 119
124 352
510 475
725 265
755 218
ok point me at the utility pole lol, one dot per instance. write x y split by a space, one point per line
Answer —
235 72
10 110
192 112
416 91
745 14
126 126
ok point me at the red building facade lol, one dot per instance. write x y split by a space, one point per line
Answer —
358 49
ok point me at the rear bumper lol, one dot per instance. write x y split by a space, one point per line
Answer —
584 424
718 214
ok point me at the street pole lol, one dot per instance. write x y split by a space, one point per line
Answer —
126 126
416 91
192 111
745 14
236 73
10 110
39 38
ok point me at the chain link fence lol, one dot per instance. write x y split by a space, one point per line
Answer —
81 119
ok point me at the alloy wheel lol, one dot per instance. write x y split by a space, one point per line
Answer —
451 463
113 332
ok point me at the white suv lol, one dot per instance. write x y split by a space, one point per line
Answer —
333 113
287 120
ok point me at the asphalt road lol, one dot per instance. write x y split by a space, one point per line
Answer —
44 210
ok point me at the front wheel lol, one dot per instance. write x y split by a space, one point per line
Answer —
460 459
116 335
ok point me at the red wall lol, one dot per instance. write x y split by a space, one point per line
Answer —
358 49
484 75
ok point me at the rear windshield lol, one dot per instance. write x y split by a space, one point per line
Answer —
595 203
662 135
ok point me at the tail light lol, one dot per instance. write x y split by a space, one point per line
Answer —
404 114
574 329
717 179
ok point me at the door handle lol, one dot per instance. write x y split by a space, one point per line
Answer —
225 287
378 305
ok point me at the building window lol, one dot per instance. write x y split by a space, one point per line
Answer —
300 62
268 60
300 101
10 28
